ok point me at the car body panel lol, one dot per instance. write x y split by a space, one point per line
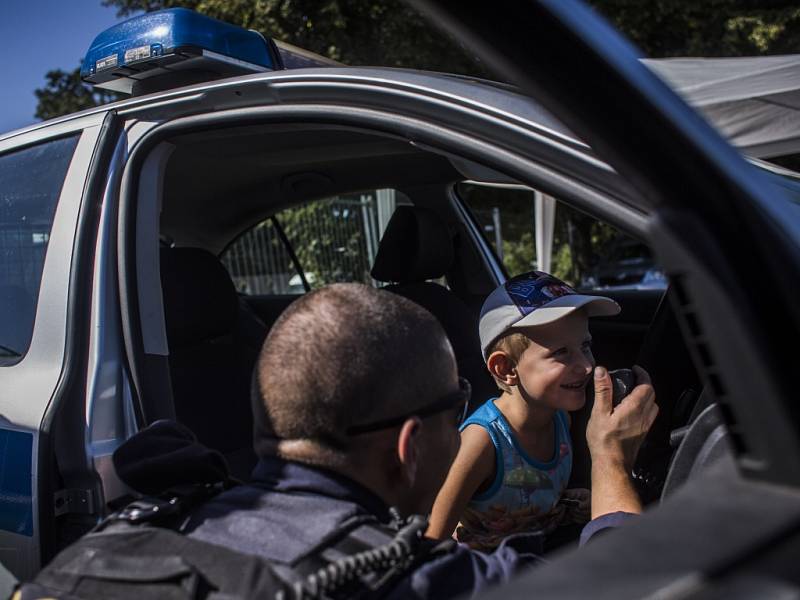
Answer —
36 376
735 272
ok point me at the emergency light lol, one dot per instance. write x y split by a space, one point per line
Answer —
174 47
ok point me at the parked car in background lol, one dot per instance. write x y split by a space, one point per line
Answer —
625 264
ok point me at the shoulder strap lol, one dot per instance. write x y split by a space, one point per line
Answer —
371 572
482 416
563 422
139 552
167 510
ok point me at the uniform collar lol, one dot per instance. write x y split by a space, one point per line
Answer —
280 475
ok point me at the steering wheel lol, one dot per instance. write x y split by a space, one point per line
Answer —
665 356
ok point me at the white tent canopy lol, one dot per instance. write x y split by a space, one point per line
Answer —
753 101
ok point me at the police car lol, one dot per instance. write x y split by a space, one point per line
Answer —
147 246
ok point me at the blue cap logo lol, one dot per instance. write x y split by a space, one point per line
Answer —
530 291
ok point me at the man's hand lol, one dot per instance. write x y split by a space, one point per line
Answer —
614 435
617 433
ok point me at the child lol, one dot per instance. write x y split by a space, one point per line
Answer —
515 458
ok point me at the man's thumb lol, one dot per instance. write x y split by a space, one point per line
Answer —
602 390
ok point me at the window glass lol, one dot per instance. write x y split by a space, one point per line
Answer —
30 183
259 263
586 253
334 239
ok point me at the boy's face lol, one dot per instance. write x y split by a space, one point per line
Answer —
556 367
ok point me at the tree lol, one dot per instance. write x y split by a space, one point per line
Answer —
389 33
65 93
664 28
357 32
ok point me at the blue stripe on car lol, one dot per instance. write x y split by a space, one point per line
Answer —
16 462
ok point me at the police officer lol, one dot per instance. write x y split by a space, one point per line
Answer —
357 406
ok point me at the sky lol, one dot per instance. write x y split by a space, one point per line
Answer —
37 36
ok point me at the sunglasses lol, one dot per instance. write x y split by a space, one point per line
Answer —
459 398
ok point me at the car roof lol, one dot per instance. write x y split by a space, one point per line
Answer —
459 88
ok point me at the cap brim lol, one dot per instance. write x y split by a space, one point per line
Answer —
596 306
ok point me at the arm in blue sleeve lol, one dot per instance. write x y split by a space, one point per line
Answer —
604 523
467 572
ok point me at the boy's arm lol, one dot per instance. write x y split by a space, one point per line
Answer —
474 465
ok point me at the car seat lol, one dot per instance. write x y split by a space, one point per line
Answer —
214 341
417 247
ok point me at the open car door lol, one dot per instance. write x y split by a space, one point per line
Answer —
727 532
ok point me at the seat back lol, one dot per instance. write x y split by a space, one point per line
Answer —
415 248
213 347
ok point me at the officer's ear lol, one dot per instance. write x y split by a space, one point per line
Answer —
408 449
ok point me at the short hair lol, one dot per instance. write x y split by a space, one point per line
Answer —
512 343
344 355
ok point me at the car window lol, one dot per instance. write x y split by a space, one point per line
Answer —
585 252
333 240
30 183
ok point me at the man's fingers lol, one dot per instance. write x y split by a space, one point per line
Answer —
602 390
651 415
642 376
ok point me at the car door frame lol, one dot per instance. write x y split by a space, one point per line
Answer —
49 376
696 229
340 101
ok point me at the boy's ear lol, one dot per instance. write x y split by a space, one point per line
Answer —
408 450
502 367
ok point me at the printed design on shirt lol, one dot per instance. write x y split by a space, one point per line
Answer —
528 480
485 529
527 497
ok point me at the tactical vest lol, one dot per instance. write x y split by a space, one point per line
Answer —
139 552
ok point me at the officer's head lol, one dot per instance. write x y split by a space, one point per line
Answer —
364 382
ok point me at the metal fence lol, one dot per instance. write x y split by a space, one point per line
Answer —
335 239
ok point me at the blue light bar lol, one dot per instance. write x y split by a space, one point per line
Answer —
174 47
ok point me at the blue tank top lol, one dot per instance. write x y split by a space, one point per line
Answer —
525 492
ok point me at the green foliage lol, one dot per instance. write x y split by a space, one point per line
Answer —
389 33
357 32
519 253
663 28
328 238
65 93
563 264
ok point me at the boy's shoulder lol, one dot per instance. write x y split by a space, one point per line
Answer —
483 415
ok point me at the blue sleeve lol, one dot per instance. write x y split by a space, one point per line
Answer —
604 523
466 573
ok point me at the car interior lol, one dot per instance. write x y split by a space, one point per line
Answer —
220 184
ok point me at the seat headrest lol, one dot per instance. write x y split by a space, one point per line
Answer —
200 300
416 246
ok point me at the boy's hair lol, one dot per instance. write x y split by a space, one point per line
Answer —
513 344
344 355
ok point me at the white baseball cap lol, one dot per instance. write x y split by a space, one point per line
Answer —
535 298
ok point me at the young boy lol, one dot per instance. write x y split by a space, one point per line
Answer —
516 453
